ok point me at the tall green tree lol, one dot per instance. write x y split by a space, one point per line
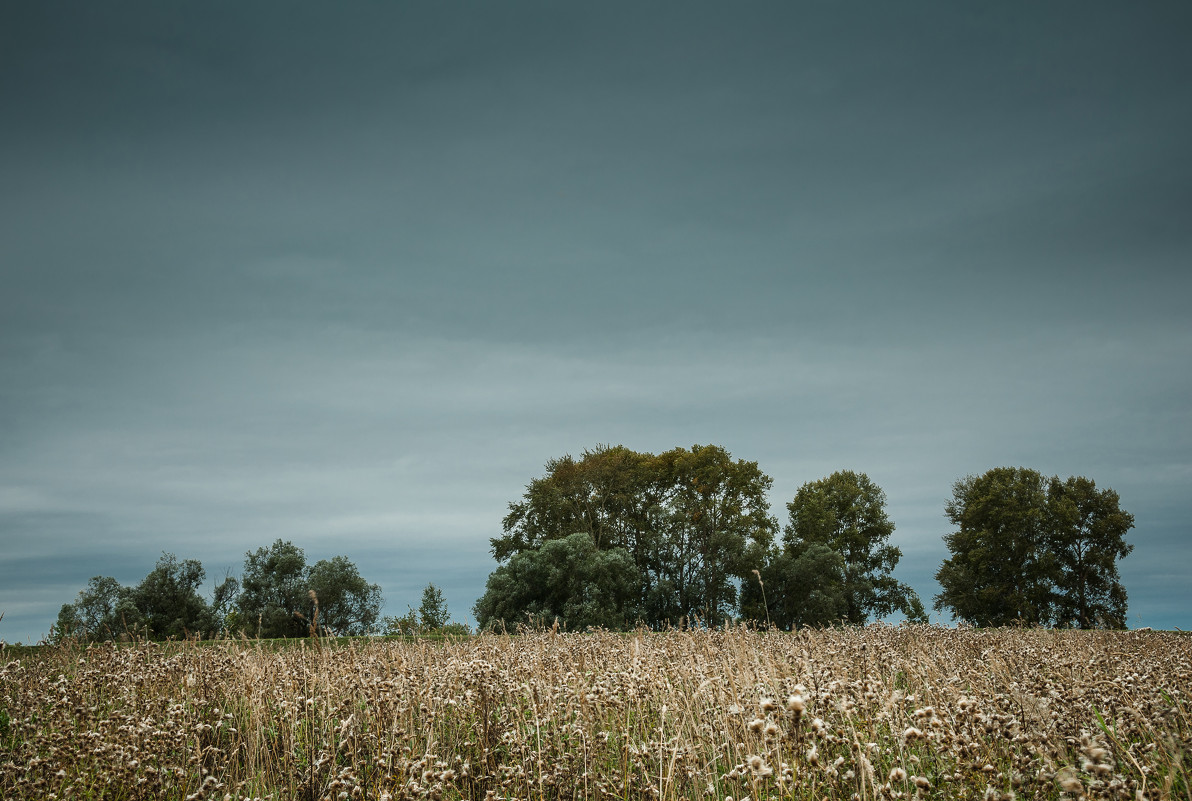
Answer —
693 521
275 594
432 612
272 588
348 605
718 529
567 579
102 610
1087 529
96 606
846 512
169 602
1001 570
1034 551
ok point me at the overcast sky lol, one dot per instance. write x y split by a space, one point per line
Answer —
349 274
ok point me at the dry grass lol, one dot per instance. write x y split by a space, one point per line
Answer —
856 713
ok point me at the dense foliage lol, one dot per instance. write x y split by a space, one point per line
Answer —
695 534
619 539
690 524
1029 550
691 533
794 591
165 604
568 580
276 596
846 513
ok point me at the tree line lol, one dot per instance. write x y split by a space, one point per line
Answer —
619 538
277 595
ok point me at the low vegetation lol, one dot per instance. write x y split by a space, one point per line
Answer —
865 713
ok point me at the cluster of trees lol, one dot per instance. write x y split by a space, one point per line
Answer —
277 595
619 538
1032 550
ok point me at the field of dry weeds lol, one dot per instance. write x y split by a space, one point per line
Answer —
879 712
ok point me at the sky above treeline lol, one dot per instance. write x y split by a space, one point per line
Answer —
350 274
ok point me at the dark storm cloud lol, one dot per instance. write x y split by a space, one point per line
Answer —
349 277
